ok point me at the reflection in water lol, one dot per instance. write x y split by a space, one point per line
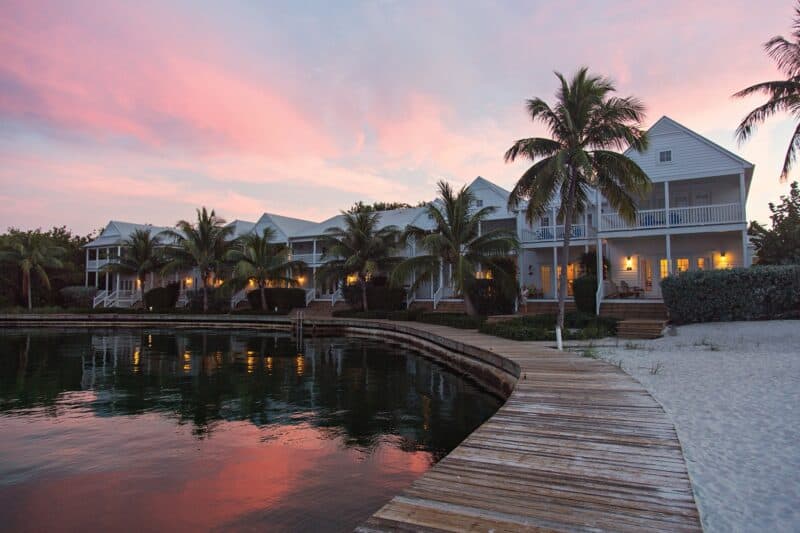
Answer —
205 429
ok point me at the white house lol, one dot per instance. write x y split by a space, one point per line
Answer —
693 219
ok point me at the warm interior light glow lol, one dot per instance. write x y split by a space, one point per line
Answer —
484 274
269 364
251 283
188 281
300 363
701 263
629 263
352 279
301 280
724 260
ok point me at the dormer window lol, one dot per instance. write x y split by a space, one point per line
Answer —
479 203
665 156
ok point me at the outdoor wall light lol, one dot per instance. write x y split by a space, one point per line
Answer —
629 263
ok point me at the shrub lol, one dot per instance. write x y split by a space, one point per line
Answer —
78 296
162 298
284 299
380 297
584 289
453 320
489 299
542 327
219 300
759 292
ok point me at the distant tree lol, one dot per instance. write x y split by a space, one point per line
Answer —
780 244
203 245
456 243
141 255
361 207
359 248
587 126
31 252
255 257
783 95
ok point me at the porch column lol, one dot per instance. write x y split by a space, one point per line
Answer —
669 254
666 202
599 207
480 232
87 268
314 251
599 254
746 260
520 265
555 272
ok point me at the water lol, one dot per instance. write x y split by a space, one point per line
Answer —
217 430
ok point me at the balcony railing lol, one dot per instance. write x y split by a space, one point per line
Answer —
553 233
307 258
678 216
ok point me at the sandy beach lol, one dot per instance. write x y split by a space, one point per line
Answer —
733 392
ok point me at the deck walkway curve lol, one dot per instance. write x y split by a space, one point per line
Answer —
578 446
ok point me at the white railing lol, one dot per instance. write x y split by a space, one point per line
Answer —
678 216
553 233
183 299
100 298
705 214
598 298
650 218
238 298
410 297
310 295
307 258
95 264
336 296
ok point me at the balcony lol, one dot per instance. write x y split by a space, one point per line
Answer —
553 233
309 259
677 217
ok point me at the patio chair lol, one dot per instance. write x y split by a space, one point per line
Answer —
625 290
610 289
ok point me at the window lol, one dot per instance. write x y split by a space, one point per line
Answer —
663 268
701 263
92 254
92 279
665 156
682 264
479 203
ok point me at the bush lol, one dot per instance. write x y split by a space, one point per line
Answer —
78 296
584 289
759 292
489 299
163 298
542 327
453 320
219 300
284 299
380 297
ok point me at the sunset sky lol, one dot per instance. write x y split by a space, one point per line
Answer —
144 110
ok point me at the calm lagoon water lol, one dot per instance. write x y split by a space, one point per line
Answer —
151 429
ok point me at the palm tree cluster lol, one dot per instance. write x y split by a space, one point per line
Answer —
32 254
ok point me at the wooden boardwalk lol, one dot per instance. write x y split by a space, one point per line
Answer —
578 446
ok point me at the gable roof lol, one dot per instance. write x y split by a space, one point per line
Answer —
117 231
667 124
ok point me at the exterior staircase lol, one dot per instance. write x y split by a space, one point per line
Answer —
640 329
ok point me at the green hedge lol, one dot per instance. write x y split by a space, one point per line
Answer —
542 327
584 289
489 299
162 298
759 292
453 320
380 297
284 299
77 296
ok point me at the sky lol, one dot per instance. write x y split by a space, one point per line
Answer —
143 111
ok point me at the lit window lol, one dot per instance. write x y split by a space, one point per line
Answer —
701 263
682 264
664 268
665 156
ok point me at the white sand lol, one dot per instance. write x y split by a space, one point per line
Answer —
733 392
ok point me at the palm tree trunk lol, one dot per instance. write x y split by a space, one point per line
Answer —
364 304
141 289
469 306
562 285
26 281
205 295
263 297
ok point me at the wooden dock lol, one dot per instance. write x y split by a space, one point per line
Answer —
578 446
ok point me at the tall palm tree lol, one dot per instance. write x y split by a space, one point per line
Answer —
359 248
264 262
202 245
456 243
784 95
31 252
586 124
140 256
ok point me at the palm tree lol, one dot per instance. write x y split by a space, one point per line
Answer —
140 256
359 248
456 243
31 252
203 246
258 259
784 95
586 125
